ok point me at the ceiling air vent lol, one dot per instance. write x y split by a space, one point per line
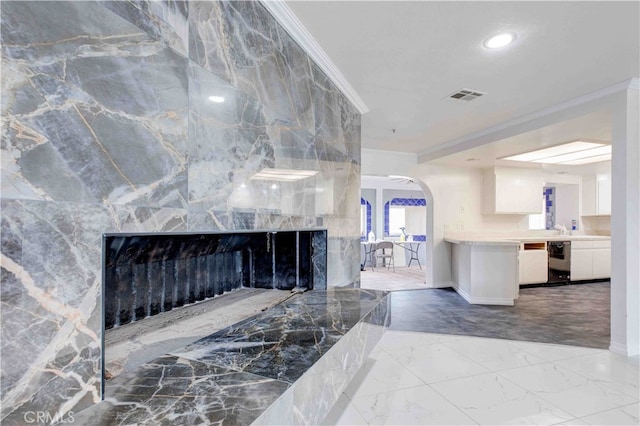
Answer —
466 94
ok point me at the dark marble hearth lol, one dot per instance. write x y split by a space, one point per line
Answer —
286 365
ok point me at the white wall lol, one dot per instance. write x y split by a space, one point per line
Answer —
625 223
416 220
625 218
567 204
457 205
456 202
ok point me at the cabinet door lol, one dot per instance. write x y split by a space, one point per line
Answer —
533 266
581 264
601 263
596 196
604 197
512 191
589 202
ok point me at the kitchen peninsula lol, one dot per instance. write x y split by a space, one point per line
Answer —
489 270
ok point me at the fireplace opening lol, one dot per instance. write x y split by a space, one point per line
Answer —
152 281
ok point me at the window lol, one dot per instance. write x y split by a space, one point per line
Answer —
363 220
396 220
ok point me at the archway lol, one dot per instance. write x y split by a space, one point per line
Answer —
378 192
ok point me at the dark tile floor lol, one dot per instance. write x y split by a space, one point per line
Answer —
571 315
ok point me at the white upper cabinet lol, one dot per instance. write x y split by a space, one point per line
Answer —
596 195
512 191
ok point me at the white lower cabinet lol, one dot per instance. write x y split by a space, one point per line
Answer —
601 263
534 263
581 264
590 260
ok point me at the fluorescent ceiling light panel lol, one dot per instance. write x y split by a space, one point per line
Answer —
553 151
585 152
606 157
283 175
575 156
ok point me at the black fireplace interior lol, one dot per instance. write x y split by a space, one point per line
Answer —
146 274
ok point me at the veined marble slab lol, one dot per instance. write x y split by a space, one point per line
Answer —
107 127
286 365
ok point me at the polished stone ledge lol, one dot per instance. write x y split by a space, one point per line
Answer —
286 365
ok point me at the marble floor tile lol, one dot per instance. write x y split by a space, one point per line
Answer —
530 383
490 400
494 354
576 394
344 413
382 374
553 352
394 340
573 422
627 415
436 362
614 370
415 406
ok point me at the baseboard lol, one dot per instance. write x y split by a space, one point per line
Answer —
483 300
618 348
622 349
445 284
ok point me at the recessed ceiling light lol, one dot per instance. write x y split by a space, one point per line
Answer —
499 40
216 99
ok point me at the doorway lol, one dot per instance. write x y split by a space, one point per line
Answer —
396 209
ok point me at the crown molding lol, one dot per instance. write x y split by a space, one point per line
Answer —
285 16
454 145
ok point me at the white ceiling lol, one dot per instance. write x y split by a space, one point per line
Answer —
404 59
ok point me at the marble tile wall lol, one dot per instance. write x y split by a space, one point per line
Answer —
107 127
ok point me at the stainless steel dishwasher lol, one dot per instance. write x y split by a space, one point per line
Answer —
559 262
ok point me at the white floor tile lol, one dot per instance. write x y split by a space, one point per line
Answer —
552 352
573 422
436 362
617 371
494 354
491 399
570 391
343 413
415 406
488 381
393 340
382 374
443 338
628 415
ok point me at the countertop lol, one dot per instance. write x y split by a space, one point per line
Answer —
514 241
483 241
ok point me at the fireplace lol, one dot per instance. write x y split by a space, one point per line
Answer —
147 274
